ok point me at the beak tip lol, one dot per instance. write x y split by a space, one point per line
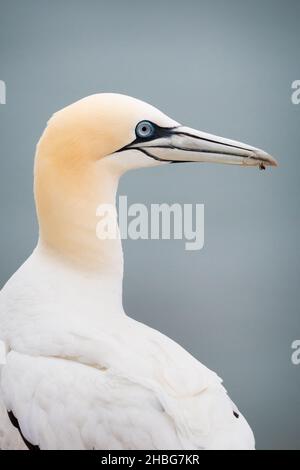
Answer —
264 160
272 162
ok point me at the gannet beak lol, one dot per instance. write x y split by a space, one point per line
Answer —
183 144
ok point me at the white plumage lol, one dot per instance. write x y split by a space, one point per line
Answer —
79 379
78 372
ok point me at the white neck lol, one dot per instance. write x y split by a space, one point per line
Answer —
94 294
68 220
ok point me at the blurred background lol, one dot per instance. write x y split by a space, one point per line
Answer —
222 67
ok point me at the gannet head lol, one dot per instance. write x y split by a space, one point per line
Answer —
87 146
129 133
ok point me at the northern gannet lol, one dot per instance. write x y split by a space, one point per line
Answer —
77 372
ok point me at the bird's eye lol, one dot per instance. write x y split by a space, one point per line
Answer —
145 129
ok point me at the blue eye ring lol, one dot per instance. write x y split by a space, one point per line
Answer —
145 130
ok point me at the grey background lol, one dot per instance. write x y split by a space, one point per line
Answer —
223 67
